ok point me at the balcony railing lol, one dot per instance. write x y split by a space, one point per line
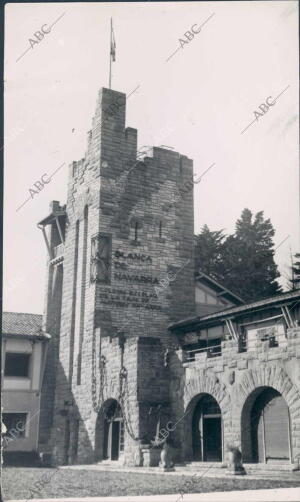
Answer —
213 351
58 252
256 344
253 344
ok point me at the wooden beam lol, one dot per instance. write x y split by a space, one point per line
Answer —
293 324
287 316
47 242
231 329
59 230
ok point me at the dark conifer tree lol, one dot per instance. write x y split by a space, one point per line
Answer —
208 252
242 262
295 269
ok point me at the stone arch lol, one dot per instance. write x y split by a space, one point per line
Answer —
205 384
101 432
194 390
253 413
111 389
271 376
206 429
274 377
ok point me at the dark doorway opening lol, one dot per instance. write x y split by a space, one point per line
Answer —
207 430
115 440
212 437
109 442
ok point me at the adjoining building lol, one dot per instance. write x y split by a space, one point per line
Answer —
24 347
122 363
211 296
240 369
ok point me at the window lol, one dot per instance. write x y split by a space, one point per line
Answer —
17 365
135 230
160 230
136 226
15 424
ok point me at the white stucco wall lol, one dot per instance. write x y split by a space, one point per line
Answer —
22 395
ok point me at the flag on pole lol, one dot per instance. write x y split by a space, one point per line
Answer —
112 43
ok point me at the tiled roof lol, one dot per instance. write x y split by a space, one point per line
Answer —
16 323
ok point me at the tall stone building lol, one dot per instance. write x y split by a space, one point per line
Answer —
120 270
142 350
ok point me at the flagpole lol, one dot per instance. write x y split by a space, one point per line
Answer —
110 53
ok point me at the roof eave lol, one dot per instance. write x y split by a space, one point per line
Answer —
193 322
43 337
51 217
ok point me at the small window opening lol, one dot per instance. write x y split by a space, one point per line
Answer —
136 231
17 364
15 424
160 230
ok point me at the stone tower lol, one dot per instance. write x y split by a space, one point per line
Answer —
124 247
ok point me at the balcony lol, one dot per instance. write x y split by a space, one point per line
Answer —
202 353
57 254
269 347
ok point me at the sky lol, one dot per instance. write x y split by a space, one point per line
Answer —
195 97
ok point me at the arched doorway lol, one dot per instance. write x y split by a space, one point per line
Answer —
265 427
109 438
207 430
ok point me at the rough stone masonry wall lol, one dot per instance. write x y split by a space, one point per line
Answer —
153 386
51 325
136 194
121 194
232 379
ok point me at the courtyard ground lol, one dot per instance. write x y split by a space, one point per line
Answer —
41 483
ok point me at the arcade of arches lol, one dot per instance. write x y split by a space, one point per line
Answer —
265 428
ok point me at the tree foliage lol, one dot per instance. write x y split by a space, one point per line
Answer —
208 251
244 261
295 270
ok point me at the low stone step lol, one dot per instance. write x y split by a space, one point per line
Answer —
250 468
205 465
21 458
286 466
